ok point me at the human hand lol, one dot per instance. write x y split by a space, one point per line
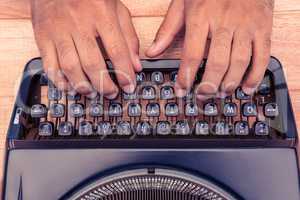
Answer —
66 34
238 30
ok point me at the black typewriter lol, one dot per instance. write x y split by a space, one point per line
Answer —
154 124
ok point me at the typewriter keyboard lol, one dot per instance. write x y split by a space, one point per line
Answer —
153 110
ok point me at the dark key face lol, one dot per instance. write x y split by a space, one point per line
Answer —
157 77
202 128
54 94
57 110
104 128
182 128
134 110
140 77
173 76
249 110
191 110
261 128
153 110
73 96
115 110
265 87
46 129
163 128
96 110
239 94
271 110
230 110
65 129
76 110
129 96
143 128
38 111
85 128
241 128
210 109
171 109
167 92
148 93
123 128
221 128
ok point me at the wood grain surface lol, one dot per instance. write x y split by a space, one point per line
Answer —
17 45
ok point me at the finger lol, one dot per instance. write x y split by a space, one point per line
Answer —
130 35
171 25
239 62
261 58
192 56
217 63
70 64
51 66
118 51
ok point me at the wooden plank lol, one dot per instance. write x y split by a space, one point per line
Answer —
20 9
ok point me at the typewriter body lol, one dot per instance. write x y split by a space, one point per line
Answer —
151 144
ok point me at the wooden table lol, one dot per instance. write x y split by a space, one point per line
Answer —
17 45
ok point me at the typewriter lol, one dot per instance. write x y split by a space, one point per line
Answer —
151 144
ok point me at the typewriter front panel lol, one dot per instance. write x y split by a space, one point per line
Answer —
258 174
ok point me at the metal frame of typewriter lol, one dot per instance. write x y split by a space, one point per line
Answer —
201 157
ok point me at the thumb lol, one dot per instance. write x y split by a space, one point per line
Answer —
170 26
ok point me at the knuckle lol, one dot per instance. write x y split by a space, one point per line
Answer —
68 66
241 61
65 50
222 32
115 51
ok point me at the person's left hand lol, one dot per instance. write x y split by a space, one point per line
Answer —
238 30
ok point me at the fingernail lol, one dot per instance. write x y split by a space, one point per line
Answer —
112 96
138 63
180 92
129 88
201 97
248 90
92 95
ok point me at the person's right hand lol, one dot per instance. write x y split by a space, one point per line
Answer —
66 32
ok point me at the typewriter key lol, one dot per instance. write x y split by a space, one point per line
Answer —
171 109
104 128
157 77
54 94
271 110
65 129
153 110
182 128
202 128
261 128
73 96
143 128
129 96
249 110
191 110
76 110
148 93
230 110
57 110
134 110
173 76
96 110
221 128
167 92
85 128
239 94
115 110
140 77
163 128
210 109
265 86
45 128
123 128
38 111
241 128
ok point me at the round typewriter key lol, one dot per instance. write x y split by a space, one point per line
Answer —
143 128
129 96
230 110
134 110
163 128
182 128
73 96
45 129
76 110
38 111
123 128
173 76
241 128
167 92
239 94
261 128
104 128
210 109
140 77
115 110
191 110
153 110
85 128
54 94
157 77
96 110
271 110
171 110
202 128
148 93
221 128
249 109
57 110
265 86
65 129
